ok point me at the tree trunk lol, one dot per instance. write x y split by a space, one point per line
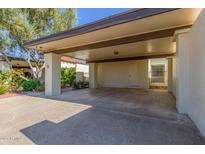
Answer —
37 71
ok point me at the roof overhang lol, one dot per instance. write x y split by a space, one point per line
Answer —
137 26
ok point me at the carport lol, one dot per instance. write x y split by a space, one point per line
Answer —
118 48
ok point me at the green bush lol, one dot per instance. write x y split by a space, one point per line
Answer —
30 85
4 77
3 89
40 87
16 81
67 76
11 80
4 82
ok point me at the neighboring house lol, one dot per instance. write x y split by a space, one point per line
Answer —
82 68
66 62
17 63
118 50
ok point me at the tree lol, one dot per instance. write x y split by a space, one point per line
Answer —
19 25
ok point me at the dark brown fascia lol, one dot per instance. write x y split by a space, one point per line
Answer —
128 16
133 58
19 67
125 40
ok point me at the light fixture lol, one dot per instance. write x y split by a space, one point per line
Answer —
116 52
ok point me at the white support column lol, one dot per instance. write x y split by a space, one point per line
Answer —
52 74
170 74
93 68
182 71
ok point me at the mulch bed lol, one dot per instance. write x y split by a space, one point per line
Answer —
9 94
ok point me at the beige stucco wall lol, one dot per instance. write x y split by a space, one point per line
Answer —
182 69
174 76
118 74
196 105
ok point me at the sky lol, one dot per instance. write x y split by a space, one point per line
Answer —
86 15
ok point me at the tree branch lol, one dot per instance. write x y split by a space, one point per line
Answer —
6 58
30 65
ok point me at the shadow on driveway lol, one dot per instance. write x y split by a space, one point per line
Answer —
98 126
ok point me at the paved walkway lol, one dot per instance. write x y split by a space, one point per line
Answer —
101 116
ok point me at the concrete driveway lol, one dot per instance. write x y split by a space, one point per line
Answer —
100 116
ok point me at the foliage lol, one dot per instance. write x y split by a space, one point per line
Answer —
16 80
4 77
4 82
20 25
3 89
10 81
30 85
81 84
67 76
40 87
33 85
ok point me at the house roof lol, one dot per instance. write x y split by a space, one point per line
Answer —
71 60
127 16
134 33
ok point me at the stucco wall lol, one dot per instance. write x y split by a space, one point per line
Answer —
174 76
117 74
196 106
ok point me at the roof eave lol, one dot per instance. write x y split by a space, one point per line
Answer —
66 34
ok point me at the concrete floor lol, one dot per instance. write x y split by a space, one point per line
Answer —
100 116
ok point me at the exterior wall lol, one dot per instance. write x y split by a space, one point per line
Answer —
196 106
117 74
67 65
174 76
182 69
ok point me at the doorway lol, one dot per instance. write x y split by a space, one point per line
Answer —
134 75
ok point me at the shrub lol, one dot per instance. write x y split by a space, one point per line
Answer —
67 76
3 89
4 82
30 85
4 77
81 84
40 87
16 81
11 80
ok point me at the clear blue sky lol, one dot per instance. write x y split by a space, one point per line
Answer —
86 15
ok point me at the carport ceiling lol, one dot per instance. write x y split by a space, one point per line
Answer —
144 48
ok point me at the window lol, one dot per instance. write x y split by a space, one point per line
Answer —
157 73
